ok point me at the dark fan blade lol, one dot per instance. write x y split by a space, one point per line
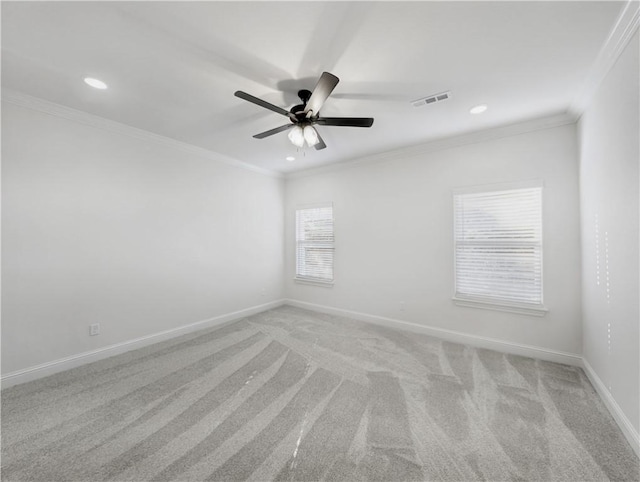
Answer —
345 121
322 90
271 132
261 103
320 144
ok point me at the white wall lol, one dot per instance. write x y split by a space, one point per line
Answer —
140 237
609 157
394 236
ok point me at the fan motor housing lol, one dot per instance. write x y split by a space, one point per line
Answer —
298 110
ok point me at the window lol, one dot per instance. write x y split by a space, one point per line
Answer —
314 243
498 248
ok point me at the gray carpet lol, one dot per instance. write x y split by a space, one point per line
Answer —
294 395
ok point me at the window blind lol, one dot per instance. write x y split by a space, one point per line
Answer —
314 243
498 245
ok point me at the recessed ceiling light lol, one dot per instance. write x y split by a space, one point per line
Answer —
478 109
98 84
291 158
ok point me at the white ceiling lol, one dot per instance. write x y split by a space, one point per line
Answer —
172 67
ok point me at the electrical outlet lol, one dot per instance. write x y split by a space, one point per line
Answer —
94 329
402 306
263 292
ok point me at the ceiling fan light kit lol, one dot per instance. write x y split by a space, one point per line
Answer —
304 116
310 135
296 136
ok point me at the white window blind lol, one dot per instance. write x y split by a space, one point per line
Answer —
498 246
314 243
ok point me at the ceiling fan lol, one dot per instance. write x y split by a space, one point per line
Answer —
304 116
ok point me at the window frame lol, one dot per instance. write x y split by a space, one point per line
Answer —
488 303
307 279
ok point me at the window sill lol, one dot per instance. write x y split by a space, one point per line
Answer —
521 309
316 282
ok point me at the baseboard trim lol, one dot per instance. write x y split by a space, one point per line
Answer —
618 415
73 361
499 345
449 335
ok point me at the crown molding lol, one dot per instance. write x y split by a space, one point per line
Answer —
621 34
444 143
75 115
81 117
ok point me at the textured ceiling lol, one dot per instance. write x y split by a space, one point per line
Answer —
172 67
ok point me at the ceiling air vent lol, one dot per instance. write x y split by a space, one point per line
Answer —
432 99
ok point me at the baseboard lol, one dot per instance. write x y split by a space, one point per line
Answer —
63 364
449 335
616 412
499 345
